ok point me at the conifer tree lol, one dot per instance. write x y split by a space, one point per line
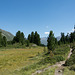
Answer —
0 39
37 38
18 37
51 42
4 41
29 37
63 41
32 37
22 38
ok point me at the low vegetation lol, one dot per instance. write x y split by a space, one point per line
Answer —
23 56
15 59
71 61
50 71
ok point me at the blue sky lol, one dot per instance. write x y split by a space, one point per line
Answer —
37 15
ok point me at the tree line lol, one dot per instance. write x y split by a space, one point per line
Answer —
52 41
34 38
20 38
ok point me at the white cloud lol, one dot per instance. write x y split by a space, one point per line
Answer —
46 32
71 31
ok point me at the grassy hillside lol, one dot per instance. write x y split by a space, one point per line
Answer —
8 35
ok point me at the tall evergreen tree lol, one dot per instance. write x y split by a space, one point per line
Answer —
22 38
4 41
51 41
29 37
37 38
67 38
56 42
72 37
18 37
63 41
0 39
32 37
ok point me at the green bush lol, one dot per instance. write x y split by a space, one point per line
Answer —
71 60
72 67
59 58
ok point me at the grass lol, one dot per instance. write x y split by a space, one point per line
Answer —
68 72
16 59
50 71
20 61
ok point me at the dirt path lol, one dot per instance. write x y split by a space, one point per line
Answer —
59 70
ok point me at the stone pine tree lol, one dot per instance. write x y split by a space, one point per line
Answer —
18 35
37 38
19 38
67 38
32 37
51 42
4 41
56 42
29 37
0 39
22 38
72 37
62 38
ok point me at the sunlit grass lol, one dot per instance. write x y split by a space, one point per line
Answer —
50 71
68 72
15 59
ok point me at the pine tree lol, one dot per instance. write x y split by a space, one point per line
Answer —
4 41
32 37
22 38
37 38
0 39
72 37
63 41
56 42
29 37
67 38
51 42
18 37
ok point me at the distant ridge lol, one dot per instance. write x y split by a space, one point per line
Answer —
44 40
7 34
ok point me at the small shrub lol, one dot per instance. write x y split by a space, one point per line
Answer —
72 67
59 58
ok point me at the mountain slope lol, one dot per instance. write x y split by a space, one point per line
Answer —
7 34
44 40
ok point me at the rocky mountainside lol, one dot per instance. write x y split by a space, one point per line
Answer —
7 34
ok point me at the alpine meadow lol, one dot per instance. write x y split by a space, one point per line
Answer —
37 37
